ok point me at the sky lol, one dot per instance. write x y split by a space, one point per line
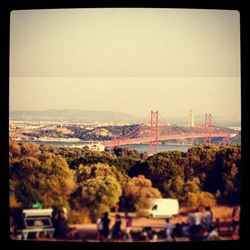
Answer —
126 60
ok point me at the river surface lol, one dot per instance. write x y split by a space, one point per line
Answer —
145 147
139 147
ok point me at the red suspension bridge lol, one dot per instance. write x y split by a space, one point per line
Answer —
206 131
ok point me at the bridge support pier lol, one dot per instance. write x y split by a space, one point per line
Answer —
154 122
208 128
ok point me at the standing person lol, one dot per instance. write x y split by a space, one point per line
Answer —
191 219
196 230
129 223
208 218
117 227
177 230
99 229
185 229
62 228
116 208
191 224
65 212
169 229
236 222
105 225
55 221
197 217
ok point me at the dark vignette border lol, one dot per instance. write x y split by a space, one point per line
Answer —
4 124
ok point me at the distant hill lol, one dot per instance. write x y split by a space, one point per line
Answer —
108 116
74 115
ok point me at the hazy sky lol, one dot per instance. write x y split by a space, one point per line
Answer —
127 60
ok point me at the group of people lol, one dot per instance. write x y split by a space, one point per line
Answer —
105 232
201 226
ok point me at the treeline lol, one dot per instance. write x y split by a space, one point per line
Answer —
90 183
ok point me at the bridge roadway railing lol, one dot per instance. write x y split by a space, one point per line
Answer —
160 138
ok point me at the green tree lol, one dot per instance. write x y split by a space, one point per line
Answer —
199 200
29 149
85 172
173 188
139 192
14 149
97 195
192 186
224 177
201 159
126 152
47 179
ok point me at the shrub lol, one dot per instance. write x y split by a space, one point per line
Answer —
199 200
79 217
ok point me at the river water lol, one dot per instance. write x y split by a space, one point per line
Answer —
145 147
139 147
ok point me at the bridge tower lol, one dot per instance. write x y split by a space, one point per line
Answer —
191 119
153 146
208 128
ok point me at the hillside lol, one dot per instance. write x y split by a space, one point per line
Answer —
73 115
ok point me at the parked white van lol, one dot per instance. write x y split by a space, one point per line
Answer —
164 208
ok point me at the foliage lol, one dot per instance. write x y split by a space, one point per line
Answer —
29 149
224 177
92 182
14 149
139 191
199 200
97 194
208 168
86 172
13 201
126 152
46 179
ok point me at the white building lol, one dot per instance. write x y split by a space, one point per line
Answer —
96 147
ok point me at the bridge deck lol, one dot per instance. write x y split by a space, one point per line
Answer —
164 137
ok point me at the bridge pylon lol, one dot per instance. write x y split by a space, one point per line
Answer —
208 128
154 132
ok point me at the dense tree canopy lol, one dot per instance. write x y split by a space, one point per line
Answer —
95 181
46 179
97 194
139 192
84 173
